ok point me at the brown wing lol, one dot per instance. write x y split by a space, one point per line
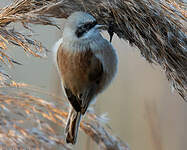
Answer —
81 73
95 77
74 100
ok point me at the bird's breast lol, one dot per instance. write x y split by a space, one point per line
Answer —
78 69
82 69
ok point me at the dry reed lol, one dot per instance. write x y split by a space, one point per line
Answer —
27 122
154 27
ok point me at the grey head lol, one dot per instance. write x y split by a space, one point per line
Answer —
81 25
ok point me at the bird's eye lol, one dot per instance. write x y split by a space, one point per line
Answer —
85 28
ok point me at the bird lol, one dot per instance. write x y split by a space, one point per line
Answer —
87 63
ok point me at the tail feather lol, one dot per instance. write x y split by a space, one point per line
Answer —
72 126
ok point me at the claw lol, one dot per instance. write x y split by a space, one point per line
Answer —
110 31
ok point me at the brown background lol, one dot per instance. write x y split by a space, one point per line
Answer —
141 107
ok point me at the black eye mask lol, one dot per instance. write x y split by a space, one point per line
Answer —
85 28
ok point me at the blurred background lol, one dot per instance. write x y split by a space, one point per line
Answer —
142 109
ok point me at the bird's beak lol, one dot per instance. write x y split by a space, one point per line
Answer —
105 27
101 27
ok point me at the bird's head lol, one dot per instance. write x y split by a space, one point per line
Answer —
81 26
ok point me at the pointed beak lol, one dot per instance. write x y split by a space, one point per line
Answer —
101 27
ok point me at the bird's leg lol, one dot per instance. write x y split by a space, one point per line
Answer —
110 31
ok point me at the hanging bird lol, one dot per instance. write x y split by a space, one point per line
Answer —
87 63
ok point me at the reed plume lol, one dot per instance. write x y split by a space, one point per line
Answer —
155 27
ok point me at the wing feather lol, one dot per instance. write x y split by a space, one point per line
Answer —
82 73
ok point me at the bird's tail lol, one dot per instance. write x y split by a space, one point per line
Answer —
72 126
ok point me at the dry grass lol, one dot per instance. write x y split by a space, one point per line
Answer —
153 26
28 121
